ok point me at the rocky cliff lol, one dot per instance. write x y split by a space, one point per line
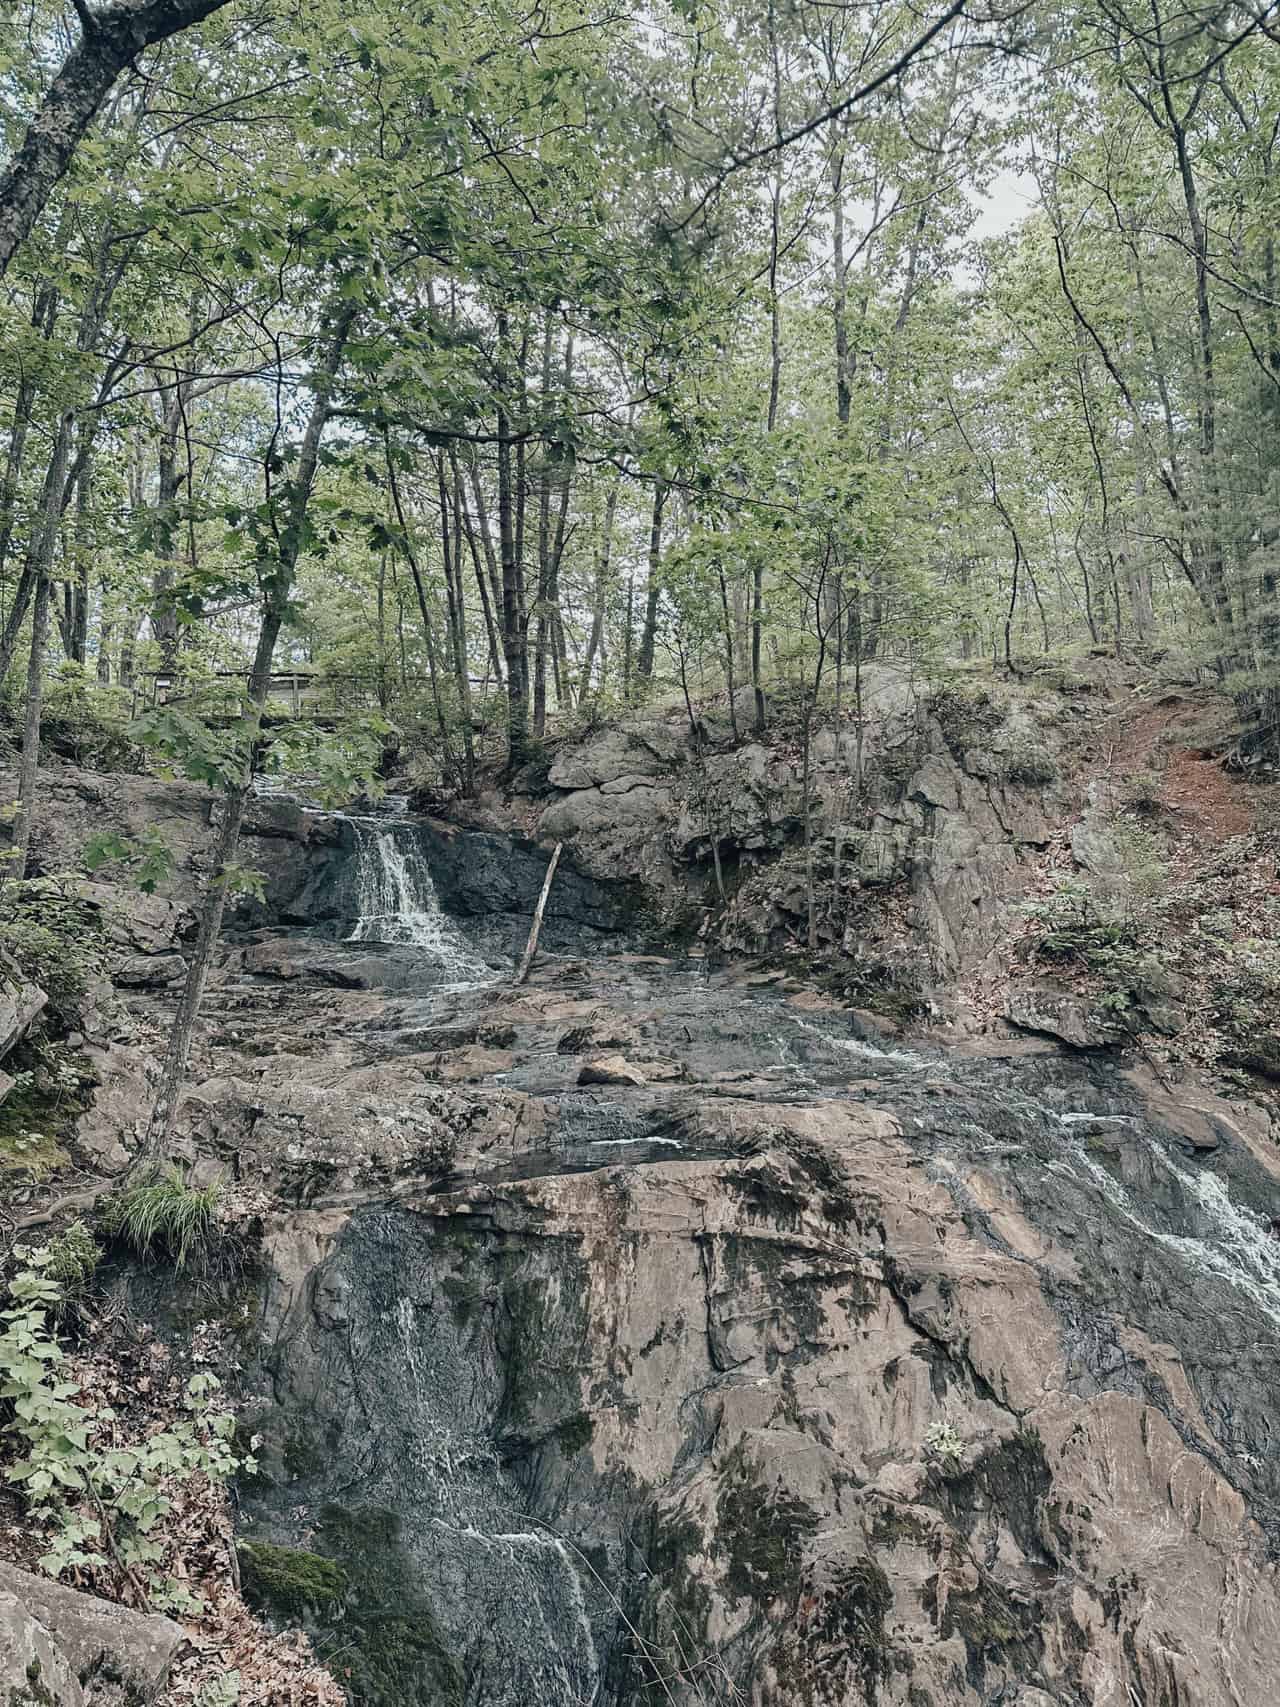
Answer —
668 1331
823 1372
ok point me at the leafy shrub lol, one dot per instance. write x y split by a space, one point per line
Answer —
1247 999
148 861
74 1255
51 1088
1077 925
86 722
54 936
163 1216
1141 792
967 717
338 764
101 1502
1024 762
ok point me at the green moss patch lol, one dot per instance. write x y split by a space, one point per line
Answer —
762 1532
574 1434
290 1585
389 1650
39 1116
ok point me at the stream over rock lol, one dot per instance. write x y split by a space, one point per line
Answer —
807 1367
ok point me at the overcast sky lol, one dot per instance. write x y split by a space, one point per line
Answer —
1011 197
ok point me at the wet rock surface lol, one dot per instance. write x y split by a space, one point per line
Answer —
794 1364
836 1370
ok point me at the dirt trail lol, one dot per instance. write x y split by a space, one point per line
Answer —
1207 803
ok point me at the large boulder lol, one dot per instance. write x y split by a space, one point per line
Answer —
1058 1014
300 851
150 971
33 1673
91 1651
20 1002
617 756
496 880
613 833
611 1070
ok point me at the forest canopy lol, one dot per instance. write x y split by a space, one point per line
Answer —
467 368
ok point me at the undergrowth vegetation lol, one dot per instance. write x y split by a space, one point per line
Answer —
55 938
1173 938
163 1217
97 1490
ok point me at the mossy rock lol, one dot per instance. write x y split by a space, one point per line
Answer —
1259 1053
574 1434
389 1650
290 1585
39 1116
33 1693
762 1532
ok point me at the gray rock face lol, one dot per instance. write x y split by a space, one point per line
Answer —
20 1003
612 832
845 1374
33 1673
617 756
150 971
1057 1013
100 1654
496 881
610 1070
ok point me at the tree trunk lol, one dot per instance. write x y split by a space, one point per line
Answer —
510 514
41 555
424 610
164 614
53 501
531 947
29 763
113 38
600 590
78 647
451 547
648 634
492 566
544 549
276 594
486 604
728 656
43 318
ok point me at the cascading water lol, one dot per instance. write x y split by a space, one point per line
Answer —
1226 1241
396 900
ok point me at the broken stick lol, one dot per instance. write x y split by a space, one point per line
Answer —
531 947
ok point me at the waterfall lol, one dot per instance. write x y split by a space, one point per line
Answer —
396 900
1230 1242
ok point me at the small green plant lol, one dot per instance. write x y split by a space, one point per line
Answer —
163 1216
100 1502
1077 925
221 1691
1028 764
943 1441
74 1255
1141 792
337 764
87 722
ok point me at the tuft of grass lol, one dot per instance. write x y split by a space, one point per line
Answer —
163 1217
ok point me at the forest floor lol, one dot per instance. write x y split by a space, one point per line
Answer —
1180 942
